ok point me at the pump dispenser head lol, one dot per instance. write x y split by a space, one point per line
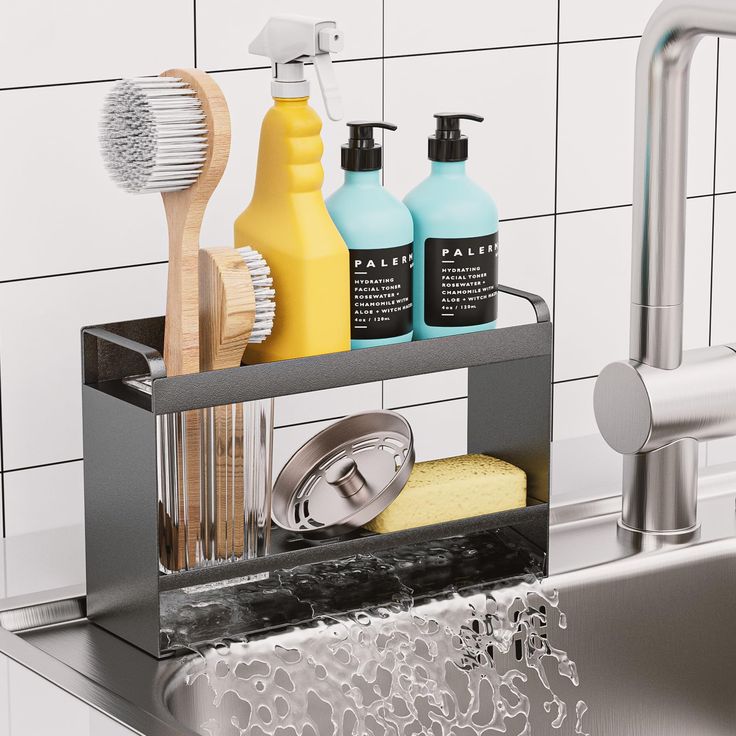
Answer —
289 41
448 143
361 152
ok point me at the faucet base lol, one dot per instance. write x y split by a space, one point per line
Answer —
660 490
642 541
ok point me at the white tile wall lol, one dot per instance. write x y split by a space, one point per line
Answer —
596 119
593 286
67 216
555 150
511 153
726 169
40 353
336 402
44 498
226 27
30 568
724 271
582 20
402 392
440 430
414 27
78 40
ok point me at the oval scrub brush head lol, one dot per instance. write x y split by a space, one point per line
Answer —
263 291
237 304
153 134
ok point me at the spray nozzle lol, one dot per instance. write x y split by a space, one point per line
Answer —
448 143
361 152
289 41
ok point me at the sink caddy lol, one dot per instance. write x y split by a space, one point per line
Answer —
131 438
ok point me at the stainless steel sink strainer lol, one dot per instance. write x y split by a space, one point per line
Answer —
345 475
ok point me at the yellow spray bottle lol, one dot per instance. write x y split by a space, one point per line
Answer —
287 220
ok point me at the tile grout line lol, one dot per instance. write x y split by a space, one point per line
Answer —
43 465
713 206
383 85
82 272
383 57
194 28
572 380
2 461
554 223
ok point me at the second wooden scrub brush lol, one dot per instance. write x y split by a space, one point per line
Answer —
236 309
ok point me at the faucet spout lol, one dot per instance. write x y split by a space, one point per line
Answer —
655 407
660 172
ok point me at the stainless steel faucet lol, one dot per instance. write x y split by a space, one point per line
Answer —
655 407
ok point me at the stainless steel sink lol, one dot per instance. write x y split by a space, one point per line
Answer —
650 631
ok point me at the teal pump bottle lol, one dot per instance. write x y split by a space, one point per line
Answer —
378 231
455 241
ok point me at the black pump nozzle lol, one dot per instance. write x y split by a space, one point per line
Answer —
448 143
361 152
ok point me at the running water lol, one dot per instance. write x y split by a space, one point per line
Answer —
461 664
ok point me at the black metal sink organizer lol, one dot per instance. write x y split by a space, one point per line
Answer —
509 387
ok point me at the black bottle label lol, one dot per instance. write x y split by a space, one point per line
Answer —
460 281
381 292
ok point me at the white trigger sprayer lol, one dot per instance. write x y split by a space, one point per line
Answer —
289 41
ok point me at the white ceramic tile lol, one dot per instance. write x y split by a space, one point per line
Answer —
37 706
412 26
335 402
584 468
724 271
726 169
593 287
40 324
249 97
61 212
78 40
702 116
440 430
596 123
4 696
526 262
44 498
583 19
573 409
511 153
413 390
287 440
3 568
225 28
47 560
592 291
697 272
721 452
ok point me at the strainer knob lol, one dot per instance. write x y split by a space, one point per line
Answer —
345 476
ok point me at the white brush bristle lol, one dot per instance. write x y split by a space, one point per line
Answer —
153 134
265 294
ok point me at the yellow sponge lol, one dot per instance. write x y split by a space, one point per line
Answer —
454 488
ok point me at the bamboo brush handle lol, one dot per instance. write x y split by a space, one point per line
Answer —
184 214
